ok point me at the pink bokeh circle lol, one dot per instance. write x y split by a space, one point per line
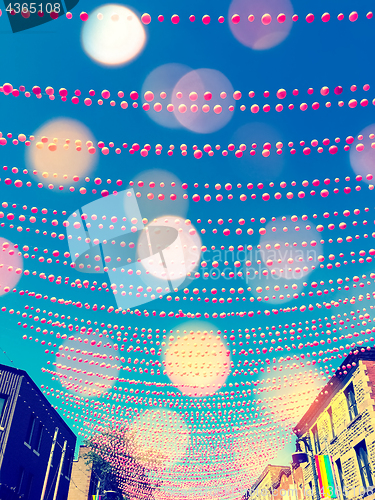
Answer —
11 266
200 115
261 36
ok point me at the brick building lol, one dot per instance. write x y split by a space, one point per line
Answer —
341 423
277 482
27 427
83 483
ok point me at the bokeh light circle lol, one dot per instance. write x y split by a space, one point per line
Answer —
362 160
115 38
203 119
11 266
64 162
180 258
259 36
86 368
161 82
197 362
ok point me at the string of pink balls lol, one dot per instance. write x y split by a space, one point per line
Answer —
7 89
266 19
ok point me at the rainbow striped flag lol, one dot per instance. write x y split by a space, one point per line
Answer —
96 497
326 478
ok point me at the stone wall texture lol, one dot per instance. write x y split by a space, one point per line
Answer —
81 477
340 441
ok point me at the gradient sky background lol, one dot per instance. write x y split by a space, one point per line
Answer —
312 56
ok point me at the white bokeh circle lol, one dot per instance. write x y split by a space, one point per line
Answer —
177 260
114 38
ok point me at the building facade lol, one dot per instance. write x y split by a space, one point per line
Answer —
278 482
83 481
341 424
28 425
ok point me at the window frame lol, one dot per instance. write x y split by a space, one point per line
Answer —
30 430
311 490
351 402
39 437
316 440
28 487
330 414
341 477
20 480
361 452
5 398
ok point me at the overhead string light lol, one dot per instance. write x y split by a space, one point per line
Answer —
265 19
150 103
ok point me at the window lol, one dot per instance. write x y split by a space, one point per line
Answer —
331 422
67 465
364 467
39 437
28 487
30 430
316 438
20 480
341 478
352 404
310 493
3 400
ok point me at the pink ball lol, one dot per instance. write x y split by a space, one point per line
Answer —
146 18
7 88
353 16
236 19
84 16
149 96
198 154
310 18
266 19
